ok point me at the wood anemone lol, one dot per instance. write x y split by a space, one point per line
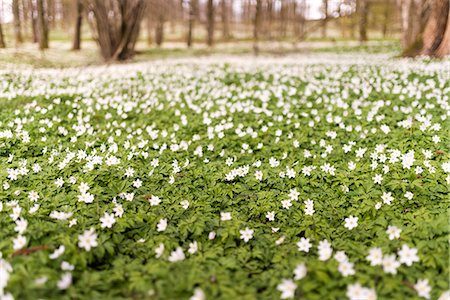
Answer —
116 26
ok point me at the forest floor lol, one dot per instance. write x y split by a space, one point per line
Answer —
60 55
315 175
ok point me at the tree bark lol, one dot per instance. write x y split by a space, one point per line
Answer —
78 22
42 29
363 13
16 19
325 19
425 27
191 21
2 38
435 29
444 48
257 26
116 26
33 18
210 23
225 20
159 30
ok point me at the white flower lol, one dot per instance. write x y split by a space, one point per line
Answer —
159 250
393 232
387 198
445 295
177 255
375 257
357 292
351 222
409 195
65 266
325 250
57 253
162 225
154 200
137 183
246 234
259 175
304 244
287 288
378 178
88 239
65 281
300 271
107 221
184 204
270 215
33 196
390 264
21 226
193 247
407 255
346 268
286 203
86 198
19 242
309 207
423 288
59 182
83 187
225 216
198 295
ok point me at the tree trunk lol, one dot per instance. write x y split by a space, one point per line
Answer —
257 26
269 17
225 20
444 48
33 18
116 25
17 26
191 21
386 16
149 30
77 36
159 30
425 27
435 30
363 12
2 38
42 29
411 20
210 23
325 19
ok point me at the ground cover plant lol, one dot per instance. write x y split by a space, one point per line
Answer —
312 178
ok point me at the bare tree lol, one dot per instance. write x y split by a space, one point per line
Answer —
193 5
33 19
161 18
363 13
225 20
116 25
210 23
78 22
257 26
42 26
325 18
17 26
2 38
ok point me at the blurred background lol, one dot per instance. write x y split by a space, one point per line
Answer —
83 32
